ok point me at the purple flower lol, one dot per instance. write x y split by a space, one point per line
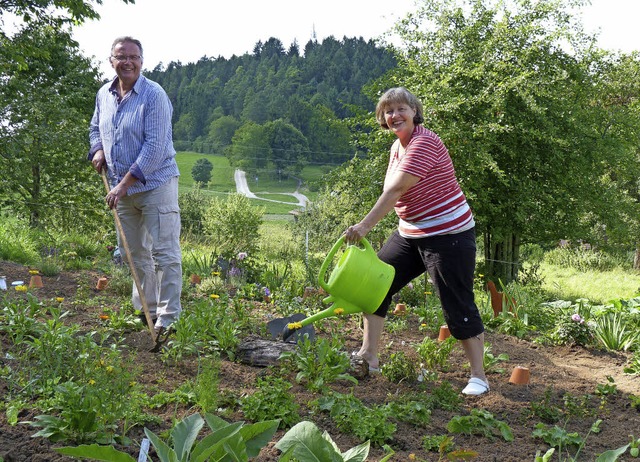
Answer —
576 318
267 292
241 255
235 271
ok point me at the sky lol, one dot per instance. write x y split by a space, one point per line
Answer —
187 30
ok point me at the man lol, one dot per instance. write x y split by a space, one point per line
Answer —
130 135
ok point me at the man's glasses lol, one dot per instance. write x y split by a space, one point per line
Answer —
123 58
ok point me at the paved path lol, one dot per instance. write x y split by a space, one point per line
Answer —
242 187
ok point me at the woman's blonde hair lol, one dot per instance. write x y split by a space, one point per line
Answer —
398 95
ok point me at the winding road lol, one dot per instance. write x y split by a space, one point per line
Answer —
242 187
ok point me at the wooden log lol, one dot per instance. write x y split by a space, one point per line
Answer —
261 352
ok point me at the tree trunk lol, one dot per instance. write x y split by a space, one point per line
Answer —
502 257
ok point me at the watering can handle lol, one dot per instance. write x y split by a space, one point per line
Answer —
329 259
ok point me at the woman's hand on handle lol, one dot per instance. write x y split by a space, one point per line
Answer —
355 233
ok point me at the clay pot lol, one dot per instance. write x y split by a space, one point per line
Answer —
401 309
102 284
36 282
444 333
195 279
520 375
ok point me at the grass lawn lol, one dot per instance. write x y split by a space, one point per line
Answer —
267 186
599 287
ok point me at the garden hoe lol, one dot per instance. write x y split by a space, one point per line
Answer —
161 336
358 283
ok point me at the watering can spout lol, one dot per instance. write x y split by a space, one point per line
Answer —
358 283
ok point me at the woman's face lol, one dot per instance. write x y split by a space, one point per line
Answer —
399 119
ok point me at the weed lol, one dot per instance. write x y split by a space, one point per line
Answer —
399 368
606 390
319 363
480 422
271 400
438 443
545 409
559 438
491 361
433 354
352 416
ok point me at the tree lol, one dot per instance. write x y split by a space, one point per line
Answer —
55 13
515 92
46 102
250 149
289 148
201 172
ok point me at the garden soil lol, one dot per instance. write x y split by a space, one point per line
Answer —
555 371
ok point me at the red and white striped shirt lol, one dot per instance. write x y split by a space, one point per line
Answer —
436 204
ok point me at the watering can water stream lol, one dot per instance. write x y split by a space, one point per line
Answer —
358 283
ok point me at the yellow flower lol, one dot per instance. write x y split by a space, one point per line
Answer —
427 293
423 325
214 296
480 275
59 299
34 272
215 273
109 369
412 456
104 317
338 311
294 325
22 288
91 382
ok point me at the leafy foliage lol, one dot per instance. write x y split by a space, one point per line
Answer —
201 171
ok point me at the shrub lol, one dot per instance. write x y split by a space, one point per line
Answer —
232 225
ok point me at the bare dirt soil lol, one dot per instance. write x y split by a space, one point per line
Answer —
558 370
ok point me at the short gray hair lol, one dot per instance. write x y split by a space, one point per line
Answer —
129 39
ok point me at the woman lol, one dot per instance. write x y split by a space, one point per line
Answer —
436 231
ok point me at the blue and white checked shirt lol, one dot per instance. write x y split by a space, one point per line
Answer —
135 134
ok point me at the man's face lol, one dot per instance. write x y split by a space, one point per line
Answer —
126 60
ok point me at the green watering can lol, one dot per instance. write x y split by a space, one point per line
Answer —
358 283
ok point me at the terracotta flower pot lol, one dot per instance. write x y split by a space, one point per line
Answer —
444 333
102 284
400 310
36 282
520 375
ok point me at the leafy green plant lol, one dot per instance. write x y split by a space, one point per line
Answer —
271 400
545 409
480 422
557 437
438 443
491 361
633 368
206 383
319 362
226 442
352 416
605 390
433 354
414 409
399 368
611 331
305 443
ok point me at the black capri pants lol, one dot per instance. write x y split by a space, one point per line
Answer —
450 261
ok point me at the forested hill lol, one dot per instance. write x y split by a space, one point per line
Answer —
273 100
